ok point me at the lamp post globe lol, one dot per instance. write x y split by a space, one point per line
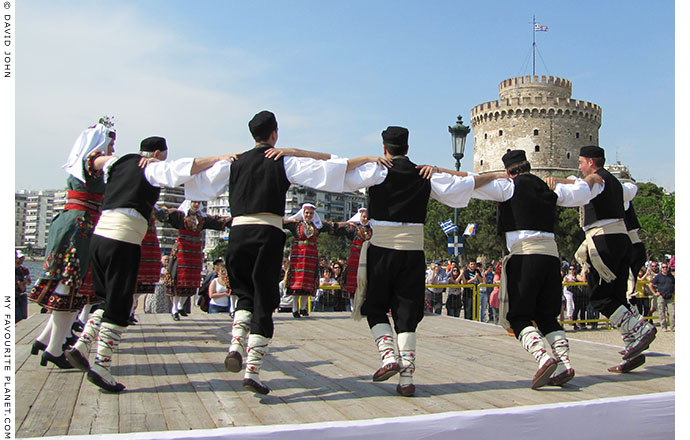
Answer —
459 133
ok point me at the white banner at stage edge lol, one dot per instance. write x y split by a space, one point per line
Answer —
653 417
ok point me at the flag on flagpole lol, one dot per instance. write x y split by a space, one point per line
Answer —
455 245
538 27
448 226
471 229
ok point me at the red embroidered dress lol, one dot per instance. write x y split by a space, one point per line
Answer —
303 275
67 249
150 265
358 234
186 259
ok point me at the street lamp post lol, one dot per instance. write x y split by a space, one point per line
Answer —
459 133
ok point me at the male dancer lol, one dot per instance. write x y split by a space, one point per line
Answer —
393 263
531 278
258 181
607 248
115 250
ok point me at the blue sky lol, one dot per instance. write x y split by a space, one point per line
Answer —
335 73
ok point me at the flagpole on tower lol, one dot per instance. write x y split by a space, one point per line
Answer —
534 42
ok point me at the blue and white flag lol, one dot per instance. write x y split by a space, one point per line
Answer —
448 226
471 229
538 27
455 246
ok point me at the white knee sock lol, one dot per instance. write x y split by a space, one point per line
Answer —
561 349
407 345
240 329
84 314
383 337
533 342
257 347
61 327
90 333
44 337
108 339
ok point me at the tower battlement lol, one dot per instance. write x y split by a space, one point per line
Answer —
532 86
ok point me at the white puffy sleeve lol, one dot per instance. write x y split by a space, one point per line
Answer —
170 174
454 191
210 183
498 190
571 195
326 175
364 176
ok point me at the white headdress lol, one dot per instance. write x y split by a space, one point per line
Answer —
187 204
300 215
92 139
357 218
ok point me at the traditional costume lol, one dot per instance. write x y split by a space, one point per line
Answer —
64 286
257 188
607 252
391 266
531 286
186 258
303 274
115 252
358 231
150 265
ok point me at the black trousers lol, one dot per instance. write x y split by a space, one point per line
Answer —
253 260
534 292
616 252
395 282
114 268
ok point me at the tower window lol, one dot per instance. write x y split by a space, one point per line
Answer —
577 135
500 132
481 162
567 155
536 132
536 148
590 137
485 135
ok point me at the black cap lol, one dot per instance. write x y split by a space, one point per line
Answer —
513 156
263 124
592 151
395 136
153 143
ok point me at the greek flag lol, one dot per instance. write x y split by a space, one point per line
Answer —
538 27
448 226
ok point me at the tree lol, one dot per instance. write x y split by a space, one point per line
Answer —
218 251
657 215
569 234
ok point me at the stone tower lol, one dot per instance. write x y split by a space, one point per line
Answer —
535 114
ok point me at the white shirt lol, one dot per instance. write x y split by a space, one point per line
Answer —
569 195
164 173
326 175
454 191
223 300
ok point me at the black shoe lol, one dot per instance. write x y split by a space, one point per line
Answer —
254 386
304 313
97 380
183 313
37 346
296 315
60 361
176 316
70 342
132 321
77 327
77 360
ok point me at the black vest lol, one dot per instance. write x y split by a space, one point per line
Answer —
127 187
608 204
532 207
402 196
631 221
257 184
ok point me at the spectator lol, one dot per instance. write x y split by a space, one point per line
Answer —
569 294
471 275
22 278
453 301
159 301
219 292
592 313
651 273
663 287
342 302
325 299
436 293
580 299
485 312
494 293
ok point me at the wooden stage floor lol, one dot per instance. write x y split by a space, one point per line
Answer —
319 369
